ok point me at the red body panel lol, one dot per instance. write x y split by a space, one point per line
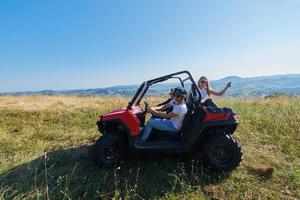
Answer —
216 117
127 117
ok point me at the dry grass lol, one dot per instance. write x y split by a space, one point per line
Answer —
46 103
63 127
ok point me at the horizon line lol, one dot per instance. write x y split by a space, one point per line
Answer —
107 87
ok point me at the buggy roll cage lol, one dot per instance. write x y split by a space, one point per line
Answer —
145 85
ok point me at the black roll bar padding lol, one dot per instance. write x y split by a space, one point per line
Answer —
181 82
161 79
143 94
135 95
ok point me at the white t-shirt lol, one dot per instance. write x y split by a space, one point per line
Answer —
180 110
172 102
203 93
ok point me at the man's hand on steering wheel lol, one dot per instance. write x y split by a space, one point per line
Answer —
149 109
146 107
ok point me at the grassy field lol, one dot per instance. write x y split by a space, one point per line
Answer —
44 142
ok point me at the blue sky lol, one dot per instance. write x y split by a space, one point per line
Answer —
54 44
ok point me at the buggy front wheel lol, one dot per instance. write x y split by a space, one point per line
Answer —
108 150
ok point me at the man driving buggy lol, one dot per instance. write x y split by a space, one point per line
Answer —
171 121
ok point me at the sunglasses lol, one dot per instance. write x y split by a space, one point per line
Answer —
177 95
203 81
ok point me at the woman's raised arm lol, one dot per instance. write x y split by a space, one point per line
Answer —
220 93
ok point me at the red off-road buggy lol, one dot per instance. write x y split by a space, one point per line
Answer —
205 129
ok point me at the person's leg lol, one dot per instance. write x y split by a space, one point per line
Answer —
164 125
148 129
154 117
160 124
210 104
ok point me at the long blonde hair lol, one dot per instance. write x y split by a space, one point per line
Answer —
207 84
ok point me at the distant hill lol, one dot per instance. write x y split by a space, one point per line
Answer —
241 87
261 86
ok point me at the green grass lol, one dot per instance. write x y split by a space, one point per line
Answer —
44 143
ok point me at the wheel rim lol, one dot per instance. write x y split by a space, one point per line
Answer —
110 153
221 155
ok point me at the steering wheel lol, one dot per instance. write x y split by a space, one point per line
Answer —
146 106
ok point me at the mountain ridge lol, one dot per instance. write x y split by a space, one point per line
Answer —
241 86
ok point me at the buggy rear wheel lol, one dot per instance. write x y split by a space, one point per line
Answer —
222 152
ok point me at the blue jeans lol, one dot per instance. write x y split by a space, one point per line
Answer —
160 124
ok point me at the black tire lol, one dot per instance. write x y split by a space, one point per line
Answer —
222 152
108 150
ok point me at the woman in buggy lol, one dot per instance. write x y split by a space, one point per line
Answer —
206 92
